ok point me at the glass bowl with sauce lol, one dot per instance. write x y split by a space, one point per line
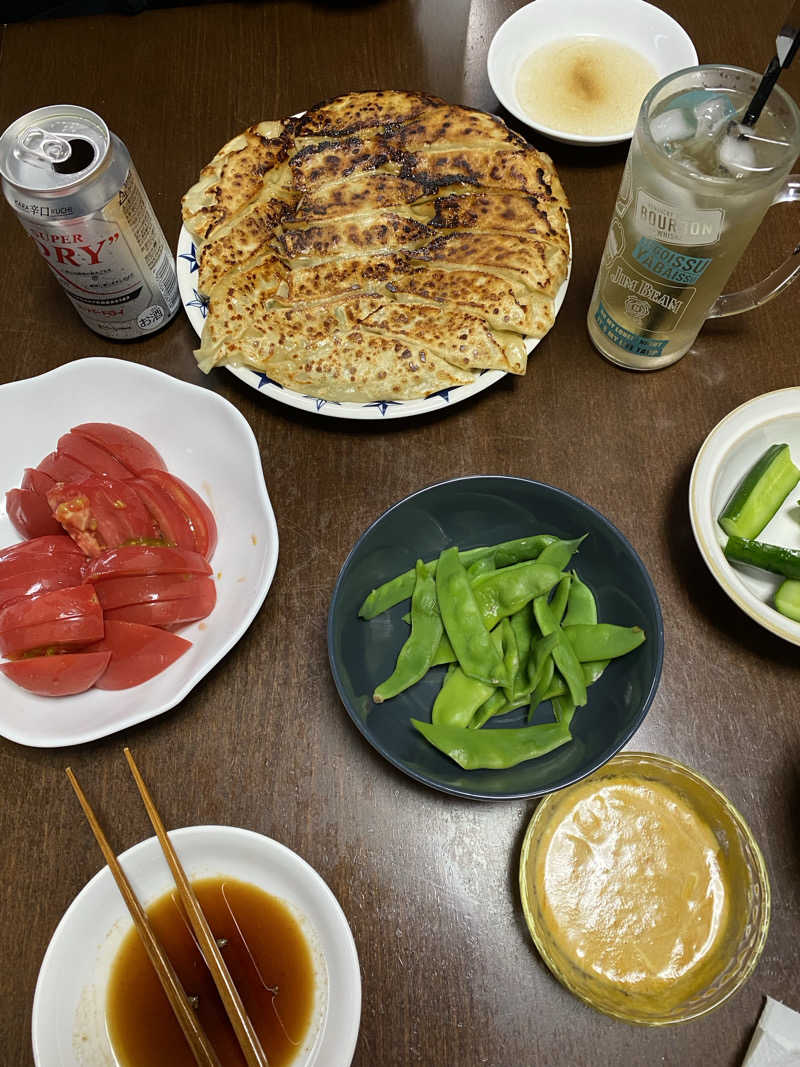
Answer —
577 71
644 891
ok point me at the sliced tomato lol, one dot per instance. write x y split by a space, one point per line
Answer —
169 518
130 448
197 512
100 513
26 574
63 468
57 676
77 601
143 560
138 653
75 632
120 592
37 548
169 613
30 513
98 459
37 481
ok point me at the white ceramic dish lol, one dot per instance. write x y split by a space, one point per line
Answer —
726 455
641 26
205 441
196 309
68 1024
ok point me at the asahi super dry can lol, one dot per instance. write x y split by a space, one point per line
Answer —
76 192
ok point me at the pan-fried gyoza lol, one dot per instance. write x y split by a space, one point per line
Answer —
382 246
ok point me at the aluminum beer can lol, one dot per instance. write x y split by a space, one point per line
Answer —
76 192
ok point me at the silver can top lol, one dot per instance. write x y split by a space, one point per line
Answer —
53 149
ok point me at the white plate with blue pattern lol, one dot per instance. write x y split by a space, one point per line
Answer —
196 308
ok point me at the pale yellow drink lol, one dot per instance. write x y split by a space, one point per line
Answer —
685 212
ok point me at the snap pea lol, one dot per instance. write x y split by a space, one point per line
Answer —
581 604
494 749
563 655
558 553
459 699
496 704
414 658
544 673
402 586
444 652
463 622
481 566
564 709
521 623
558 604
603 640
506 591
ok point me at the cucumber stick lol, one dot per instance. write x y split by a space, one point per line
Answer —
787 599
774 558
760 493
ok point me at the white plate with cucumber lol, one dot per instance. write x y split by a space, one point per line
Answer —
739 476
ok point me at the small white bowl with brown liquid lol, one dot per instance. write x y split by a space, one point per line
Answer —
578 70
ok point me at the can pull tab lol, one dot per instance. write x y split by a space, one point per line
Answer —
38 146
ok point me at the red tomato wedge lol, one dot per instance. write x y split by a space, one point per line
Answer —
30 513
29 583
31 569
63 468
37 481
121 592
98 459
138 653
169 518
129 448
100 513
59 675
197 512
58 618
37 548
143 560
169 613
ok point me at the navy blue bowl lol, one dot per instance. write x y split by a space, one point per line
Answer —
484 510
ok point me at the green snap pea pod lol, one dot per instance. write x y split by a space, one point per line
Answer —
484 565
591 673
559 553
564 709
504 592
558 604
463 622
563 655
593 670
495 705
540 651
415 656
774 558
494 749
581 605
444 652
510 656
521 623
545 675
604 640
459 699
402 586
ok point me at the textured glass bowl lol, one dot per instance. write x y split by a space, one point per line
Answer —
742 941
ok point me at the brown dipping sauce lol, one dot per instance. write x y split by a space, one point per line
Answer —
141 1024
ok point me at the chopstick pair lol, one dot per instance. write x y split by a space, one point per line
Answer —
195 1035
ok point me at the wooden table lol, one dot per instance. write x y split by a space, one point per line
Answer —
428 882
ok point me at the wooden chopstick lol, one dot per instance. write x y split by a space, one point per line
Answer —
201 1047
240 1021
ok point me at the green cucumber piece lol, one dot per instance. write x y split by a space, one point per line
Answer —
774 558
787 599
760 493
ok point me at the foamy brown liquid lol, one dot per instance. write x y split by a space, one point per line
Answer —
585 85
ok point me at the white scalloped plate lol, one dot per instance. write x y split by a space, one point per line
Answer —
69 1025
732 447
205 441
196 309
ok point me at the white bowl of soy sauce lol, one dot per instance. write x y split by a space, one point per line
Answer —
577 71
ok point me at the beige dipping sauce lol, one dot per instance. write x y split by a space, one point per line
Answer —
591 86
631 884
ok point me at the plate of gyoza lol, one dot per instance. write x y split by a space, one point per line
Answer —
381 255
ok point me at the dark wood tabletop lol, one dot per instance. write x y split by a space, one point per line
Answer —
428 882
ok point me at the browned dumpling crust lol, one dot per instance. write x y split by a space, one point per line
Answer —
382 246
